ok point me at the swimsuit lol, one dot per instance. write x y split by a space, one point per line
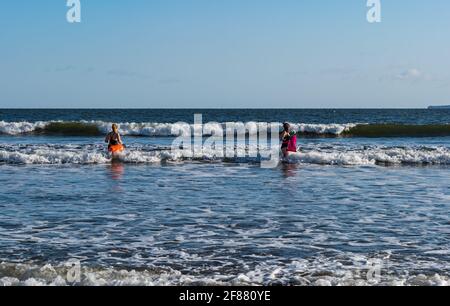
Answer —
113 139
114 145
285 143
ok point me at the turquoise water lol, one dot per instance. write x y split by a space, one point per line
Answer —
342 211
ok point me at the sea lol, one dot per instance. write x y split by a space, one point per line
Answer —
364 201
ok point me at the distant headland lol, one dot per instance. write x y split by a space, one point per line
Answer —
439 107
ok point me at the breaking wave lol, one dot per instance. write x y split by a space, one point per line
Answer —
97 128
46 154
300 272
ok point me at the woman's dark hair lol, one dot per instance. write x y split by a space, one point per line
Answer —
286 126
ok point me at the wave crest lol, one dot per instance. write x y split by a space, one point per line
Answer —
96 128
138 154
148 129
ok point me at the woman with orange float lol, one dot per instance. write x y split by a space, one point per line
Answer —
114 141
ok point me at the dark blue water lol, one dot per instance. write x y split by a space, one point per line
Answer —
325 116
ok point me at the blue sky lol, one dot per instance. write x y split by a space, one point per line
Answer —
224 53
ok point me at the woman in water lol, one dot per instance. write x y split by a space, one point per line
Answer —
289 140
114 140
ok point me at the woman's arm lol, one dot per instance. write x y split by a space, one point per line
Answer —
108 137
119 138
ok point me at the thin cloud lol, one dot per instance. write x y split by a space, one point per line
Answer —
127 74
412 74
407 75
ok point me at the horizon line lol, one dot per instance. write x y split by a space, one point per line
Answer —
215 108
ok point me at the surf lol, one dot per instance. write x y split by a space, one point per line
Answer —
47 154
156 129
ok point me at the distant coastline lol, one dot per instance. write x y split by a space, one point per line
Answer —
439 107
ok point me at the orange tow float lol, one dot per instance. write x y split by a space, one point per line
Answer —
116 148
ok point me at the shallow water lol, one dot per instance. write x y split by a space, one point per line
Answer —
230 221
356 211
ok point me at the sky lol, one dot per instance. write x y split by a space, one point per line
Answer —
224 54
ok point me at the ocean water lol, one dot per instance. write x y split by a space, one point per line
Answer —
365 201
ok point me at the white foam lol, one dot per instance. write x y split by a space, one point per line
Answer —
176 129
320 272
52 156
372 156
96 154
16 128
154 129
333 129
